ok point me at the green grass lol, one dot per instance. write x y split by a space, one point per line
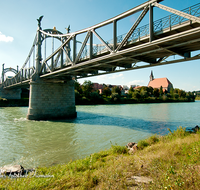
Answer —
171 161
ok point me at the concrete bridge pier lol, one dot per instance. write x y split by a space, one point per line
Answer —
51 100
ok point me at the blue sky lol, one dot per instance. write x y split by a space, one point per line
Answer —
18 28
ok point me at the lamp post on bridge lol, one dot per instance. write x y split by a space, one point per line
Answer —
38 50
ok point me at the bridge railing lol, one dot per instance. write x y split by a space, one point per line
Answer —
159 26
173 20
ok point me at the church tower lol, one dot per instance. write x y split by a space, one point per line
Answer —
151 76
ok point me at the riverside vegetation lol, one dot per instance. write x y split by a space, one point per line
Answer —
85 94
168 162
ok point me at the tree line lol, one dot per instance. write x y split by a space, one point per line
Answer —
86 94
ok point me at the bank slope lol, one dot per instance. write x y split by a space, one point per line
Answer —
161 162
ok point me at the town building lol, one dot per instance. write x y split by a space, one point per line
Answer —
158 82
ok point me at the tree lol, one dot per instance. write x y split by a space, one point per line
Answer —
156 92
77 87
144 93
161 91
176 90
116 89
136 94
95 97
181 93
106 91
131 89
87 88
150 90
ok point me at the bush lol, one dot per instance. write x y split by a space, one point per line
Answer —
119 149
150 141
180 132
115 97
142 144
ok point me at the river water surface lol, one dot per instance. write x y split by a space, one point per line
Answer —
45 143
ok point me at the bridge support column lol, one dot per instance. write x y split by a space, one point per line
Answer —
51 101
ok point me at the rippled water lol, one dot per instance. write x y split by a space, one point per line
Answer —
45 143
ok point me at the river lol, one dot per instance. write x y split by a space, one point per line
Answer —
45 143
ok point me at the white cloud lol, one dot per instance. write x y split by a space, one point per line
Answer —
116 76
136 82
4 38
102 77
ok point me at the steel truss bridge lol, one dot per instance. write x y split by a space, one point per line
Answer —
146 46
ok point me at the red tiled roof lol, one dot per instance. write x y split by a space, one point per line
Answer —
157 83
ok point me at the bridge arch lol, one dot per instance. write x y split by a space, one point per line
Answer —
47 33
10 70
5 70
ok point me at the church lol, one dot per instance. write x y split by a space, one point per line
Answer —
157 83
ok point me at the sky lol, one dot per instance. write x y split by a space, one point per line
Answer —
18 27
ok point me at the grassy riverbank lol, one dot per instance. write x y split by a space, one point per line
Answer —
164 162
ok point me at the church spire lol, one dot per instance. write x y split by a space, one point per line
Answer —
151 76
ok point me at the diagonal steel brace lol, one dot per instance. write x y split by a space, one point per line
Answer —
137 22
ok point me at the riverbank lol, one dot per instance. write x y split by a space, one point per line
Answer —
24 102
125 100
14 102
161 162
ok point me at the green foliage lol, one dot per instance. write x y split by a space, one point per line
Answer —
181 93
149 141
136 94
142 144
180 132
116 89
176 95
115 97
153 139
131 89
95 97
144 94
77 87
161 91
87 88
116 149
85 94
156 92
106 91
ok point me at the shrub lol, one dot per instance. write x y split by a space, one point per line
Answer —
153 139
180 132
142 144
119 149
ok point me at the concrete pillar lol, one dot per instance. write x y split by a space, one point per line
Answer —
51 101
2 74
10 93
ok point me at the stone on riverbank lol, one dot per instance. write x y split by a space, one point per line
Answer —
132 146
15 169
